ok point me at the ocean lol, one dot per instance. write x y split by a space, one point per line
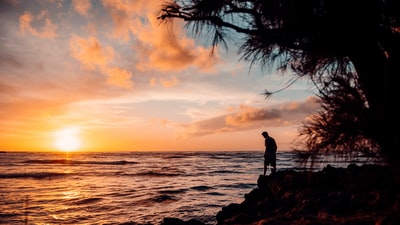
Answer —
141 187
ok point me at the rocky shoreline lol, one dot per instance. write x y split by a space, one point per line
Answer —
356 195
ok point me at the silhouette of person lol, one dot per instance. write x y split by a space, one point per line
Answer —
270 152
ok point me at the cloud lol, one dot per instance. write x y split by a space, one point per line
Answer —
204 127
33 108
156 46
47 95
119 77
48 29
90 53
159 48
247 118
167 83
82 6
250 114
93 56
121 12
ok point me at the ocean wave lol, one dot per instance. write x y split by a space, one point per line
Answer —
175 191
9 215
226 171
237 186
158 174
201 188
88 201
163 198
214 193
38 175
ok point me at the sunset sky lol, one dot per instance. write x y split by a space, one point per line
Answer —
108 74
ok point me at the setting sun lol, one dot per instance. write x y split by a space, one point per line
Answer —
67 139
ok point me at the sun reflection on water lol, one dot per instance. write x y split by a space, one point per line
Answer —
71 194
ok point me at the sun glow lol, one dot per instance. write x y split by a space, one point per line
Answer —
67 139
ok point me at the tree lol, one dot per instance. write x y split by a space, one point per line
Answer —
311 38
342 122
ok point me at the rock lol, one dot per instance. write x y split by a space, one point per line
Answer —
356 195
353 195
176 221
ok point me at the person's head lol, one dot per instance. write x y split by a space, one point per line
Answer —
264 133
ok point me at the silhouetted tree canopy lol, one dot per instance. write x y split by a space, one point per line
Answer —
342 122
323 39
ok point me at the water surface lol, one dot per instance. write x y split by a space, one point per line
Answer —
115 188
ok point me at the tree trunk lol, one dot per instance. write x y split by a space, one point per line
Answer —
378 75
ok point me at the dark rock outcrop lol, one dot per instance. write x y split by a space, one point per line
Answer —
356 195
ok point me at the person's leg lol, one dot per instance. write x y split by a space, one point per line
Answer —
265 165
273 163
265 169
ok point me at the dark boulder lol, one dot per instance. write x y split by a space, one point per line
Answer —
354 195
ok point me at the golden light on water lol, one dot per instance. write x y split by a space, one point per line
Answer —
67 139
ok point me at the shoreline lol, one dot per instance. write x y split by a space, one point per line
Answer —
367 194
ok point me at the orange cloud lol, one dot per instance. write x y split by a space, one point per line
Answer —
204 127
285 113
169 83
249 114
90 53
47 31
160 48
120 12
164 82
93 56
309 103
119 77
156 46
82 6
153 82
248 118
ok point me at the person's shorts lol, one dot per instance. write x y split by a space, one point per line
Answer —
270 159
